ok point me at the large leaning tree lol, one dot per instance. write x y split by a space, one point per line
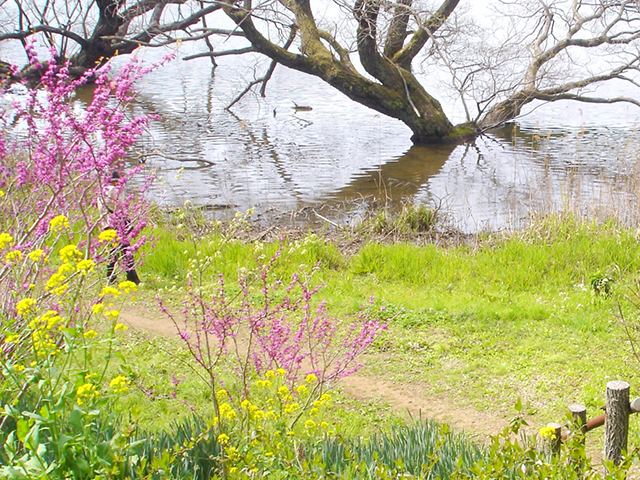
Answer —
376 52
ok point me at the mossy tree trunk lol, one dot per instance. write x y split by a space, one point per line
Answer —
394 90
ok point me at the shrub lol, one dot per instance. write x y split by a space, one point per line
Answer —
59 417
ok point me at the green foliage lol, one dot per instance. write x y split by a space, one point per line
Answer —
59 417
412 219
423 449
170 258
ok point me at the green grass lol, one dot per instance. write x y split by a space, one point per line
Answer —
506 317
502 320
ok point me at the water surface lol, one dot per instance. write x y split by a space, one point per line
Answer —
267 155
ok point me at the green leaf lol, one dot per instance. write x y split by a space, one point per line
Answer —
518 405
44 411
22 429
63 440
82 465
75 419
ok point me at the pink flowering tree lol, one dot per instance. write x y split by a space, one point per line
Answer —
268 332
55 238
55 162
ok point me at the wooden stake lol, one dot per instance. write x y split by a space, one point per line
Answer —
617 420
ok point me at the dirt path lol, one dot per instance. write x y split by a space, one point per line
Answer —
414 400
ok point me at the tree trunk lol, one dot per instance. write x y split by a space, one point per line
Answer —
617 421
99 50
505 111
407 102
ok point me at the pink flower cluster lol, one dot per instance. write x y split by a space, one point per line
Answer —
56 156
267 325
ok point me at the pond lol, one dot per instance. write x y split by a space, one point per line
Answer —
336 159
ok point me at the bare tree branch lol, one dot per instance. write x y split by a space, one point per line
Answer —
246 90
585 99
405 56
534 50
238 51
22 35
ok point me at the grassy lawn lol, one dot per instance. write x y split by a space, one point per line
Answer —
499 319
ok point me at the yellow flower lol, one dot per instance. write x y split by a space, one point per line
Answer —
36 255
324 398
90 334
548 432
270 374
223 439
65 269
86 265
128 286
309 424
109 235
114 292
42 343
69 253
311 378
26 306
86 392
227 412
55 280
263 383
302 390
112 314
5 239
257 414
11 338
120 326
220 394
233 454
58 223
283 390
13 256
47 321
119 384
61 289
1 193
281 371
290 408
97 308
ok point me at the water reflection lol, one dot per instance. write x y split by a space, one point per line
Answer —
401 178
268 155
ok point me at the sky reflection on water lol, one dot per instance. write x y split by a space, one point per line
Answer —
267 155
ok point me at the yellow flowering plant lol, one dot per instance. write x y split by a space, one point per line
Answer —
256 433
284 348
59 400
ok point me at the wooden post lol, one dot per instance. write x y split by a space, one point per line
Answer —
578 432
556 441
616 423
578 418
